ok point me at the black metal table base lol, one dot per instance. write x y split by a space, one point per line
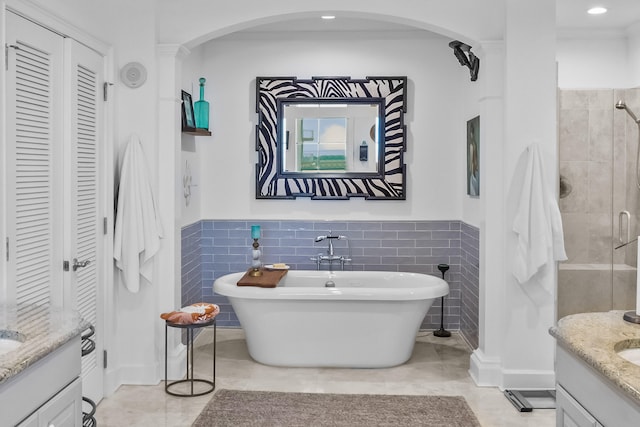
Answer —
210 384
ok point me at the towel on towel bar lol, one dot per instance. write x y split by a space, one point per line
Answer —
537 223
138 228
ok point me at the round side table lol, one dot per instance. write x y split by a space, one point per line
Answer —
210 384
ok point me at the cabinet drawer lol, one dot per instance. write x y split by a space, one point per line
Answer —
64 409
569 412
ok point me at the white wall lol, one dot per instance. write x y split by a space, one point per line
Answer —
608 60
633 53
190 162
588 63
438 96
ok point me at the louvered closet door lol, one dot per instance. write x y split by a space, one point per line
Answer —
83 216
54 112
34 163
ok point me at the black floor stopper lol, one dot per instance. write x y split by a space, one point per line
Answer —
442 332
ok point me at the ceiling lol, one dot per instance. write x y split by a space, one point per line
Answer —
621 14
570 16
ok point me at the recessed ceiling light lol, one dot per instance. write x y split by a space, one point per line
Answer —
597 10
328 17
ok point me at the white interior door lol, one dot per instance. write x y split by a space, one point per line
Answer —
54 181
33 169
84 231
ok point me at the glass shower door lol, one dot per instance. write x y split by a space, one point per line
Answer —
626 192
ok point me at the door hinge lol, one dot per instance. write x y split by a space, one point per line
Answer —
104 225
65 265
105 90
6 54
7 247
104 359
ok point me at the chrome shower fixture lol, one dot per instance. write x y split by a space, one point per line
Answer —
466 58
620 105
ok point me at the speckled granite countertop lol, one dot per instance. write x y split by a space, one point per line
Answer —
44 330
596 338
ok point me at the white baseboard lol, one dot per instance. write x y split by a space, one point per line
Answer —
485 371
140 374
488 372
147 374
521 379
111 382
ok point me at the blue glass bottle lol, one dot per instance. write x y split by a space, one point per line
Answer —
201 109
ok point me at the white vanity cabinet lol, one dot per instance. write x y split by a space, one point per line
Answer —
570 413
46 394
586 398
595 386
62 410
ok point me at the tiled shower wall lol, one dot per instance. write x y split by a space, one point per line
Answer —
213 248
586 152
597 149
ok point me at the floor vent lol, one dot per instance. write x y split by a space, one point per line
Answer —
528 400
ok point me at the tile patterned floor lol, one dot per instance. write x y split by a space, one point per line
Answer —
438 366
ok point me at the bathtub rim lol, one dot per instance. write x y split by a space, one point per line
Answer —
434 287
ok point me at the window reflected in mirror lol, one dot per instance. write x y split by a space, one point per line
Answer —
330 137
322 145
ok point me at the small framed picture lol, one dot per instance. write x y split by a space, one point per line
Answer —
473 157
188 118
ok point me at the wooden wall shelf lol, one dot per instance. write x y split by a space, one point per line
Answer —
197 132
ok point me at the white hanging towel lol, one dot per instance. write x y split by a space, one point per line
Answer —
138 228
537 223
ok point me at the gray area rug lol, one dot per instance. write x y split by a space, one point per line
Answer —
266 408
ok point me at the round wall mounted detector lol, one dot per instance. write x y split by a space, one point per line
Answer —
133 74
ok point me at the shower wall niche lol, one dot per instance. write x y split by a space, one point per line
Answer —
597 152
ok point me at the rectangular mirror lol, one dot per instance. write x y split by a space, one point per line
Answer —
330 137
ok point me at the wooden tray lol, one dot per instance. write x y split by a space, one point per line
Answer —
269 278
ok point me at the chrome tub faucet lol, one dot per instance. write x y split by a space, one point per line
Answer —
330 257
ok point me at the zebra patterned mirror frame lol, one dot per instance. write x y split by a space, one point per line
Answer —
387 183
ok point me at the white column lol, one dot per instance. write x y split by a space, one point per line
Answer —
530 117
486 360
169 61
516 350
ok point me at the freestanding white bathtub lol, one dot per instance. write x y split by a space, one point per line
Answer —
368 320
